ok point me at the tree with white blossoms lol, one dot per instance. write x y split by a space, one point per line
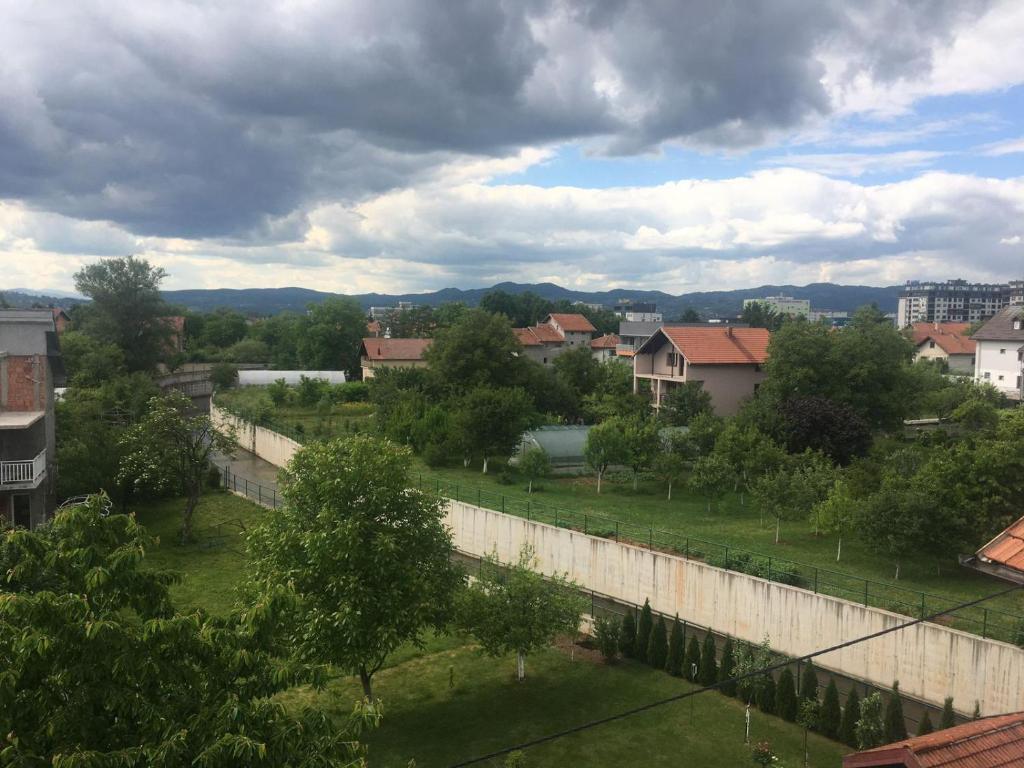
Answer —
169 450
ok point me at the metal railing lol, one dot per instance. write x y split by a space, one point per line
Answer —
26 471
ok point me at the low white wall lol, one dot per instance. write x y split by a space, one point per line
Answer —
264 377
265 443
930 661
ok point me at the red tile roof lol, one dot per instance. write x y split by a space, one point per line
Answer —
572 323
1007 548
717 346
608 341
373 326
527 337
536 335
990 742
395 349
950 337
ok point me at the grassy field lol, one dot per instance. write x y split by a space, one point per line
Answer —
739 526
436 724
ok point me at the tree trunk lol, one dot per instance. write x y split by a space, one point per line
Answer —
530 487
636 476
897 570
670 490
191 502
367 680
485 465
520 666
599 473
465 462
839 549
778 528
742 502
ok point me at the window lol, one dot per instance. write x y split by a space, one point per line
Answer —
673 359
1002 351
931 345
987 375
1016 324
21 510
1000 377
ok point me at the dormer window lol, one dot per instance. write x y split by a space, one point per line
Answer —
1016 324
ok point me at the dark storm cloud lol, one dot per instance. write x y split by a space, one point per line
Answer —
198 120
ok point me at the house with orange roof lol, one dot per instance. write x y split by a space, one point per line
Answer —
555 334
378 353
988 742
947 342
604 347
728 362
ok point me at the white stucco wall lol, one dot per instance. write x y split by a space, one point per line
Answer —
998 358
265 443
930 661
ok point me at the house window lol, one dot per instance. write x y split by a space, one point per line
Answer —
931 345
545 361
1000 377
672 359
21 510
988 375
1002 351
1016 324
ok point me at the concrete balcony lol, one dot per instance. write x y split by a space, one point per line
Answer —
23 474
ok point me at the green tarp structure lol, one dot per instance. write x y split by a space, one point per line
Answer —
563 444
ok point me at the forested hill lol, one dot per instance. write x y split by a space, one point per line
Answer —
274 300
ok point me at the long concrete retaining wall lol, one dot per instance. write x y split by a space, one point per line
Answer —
930 661
265 443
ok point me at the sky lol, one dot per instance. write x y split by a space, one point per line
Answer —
409 145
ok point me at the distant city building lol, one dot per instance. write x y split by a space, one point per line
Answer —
588 305
637 312
955 301
378 313
836 319
783 305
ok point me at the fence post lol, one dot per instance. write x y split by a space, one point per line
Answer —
769 568
584 523
259 493
687 547
503 503
984 622
556 517
727 558
650 538
275 498
815 581
616 531
866 582
922 605
527 506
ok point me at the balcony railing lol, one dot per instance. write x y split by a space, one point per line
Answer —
27 472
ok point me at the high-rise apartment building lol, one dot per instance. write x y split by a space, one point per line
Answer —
955 301
783 305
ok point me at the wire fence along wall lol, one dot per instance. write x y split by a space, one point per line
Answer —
993 623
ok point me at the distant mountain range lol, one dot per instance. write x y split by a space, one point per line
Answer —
269 301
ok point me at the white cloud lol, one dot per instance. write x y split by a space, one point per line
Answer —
1000 148
856 163
1012 240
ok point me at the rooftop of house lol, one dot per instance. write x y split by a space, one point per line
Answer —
537 335
989 742
1003 556
1001 327
571 323
19 419
395 349
373 326
717 346
608 341
951 338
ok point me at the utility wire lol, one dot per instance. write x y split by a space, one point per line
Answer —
720 683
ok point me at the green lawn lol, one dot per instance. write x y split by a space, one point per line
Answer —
739 526
486 709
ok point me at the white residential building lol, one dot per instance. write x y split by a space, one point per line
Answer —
999 357
955 301
783 305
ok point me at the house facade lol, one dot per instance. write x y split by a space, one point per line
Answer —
999 357
376 353
946 342
30 368
728 362
556 334
604 347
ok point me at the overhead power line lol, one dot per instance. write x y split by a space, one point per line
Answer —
688 694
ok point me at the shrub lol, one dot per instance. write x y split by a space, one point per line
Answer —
785 696
435 454
606 634
627 636
707 674
851 716
948 718
766 695
895 725
311 391
691 661
727 668
809 683
278 392
657 646
224 375
871 725
925 726
516 759
643 632
350 392
505 477
213 477
831 712
674 663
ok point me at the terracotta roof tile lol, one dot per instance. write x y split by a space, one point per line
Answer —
573 323
716 346
951 338
608 341
1007 548
395 349
527 337
990 742
373 326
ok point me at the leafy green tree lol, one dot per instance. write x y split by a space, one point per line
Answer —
711 478
870 728
627 636
515 609
644 627
837 513
851 716
819 424
224 375
749 452
605 447
786 705
895 725
281 334
689 315
925 726
578 369
535 465
976 415
368 558
170 450
247 351
127 309
684 402
727 669
674 663
670 468
691 660
521 309
614 397
222 328
606 635
948 718
479 350
809 718
794 491
758 314
708 672
641 437
766 694
329 335
750 660
704 431
490 422
831 712
657 646
809 683
896 517
99 668
90 362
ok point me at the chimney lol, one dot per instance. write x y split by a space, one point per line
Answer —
728 331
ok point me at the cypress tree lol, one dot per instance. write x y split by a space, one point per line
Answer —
925 726
895 725
727 668
692 658
785 696
977 710
831 713
809 683
675 649
708 672
766 695
851 714
948 719
643 632
657 646
627 636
